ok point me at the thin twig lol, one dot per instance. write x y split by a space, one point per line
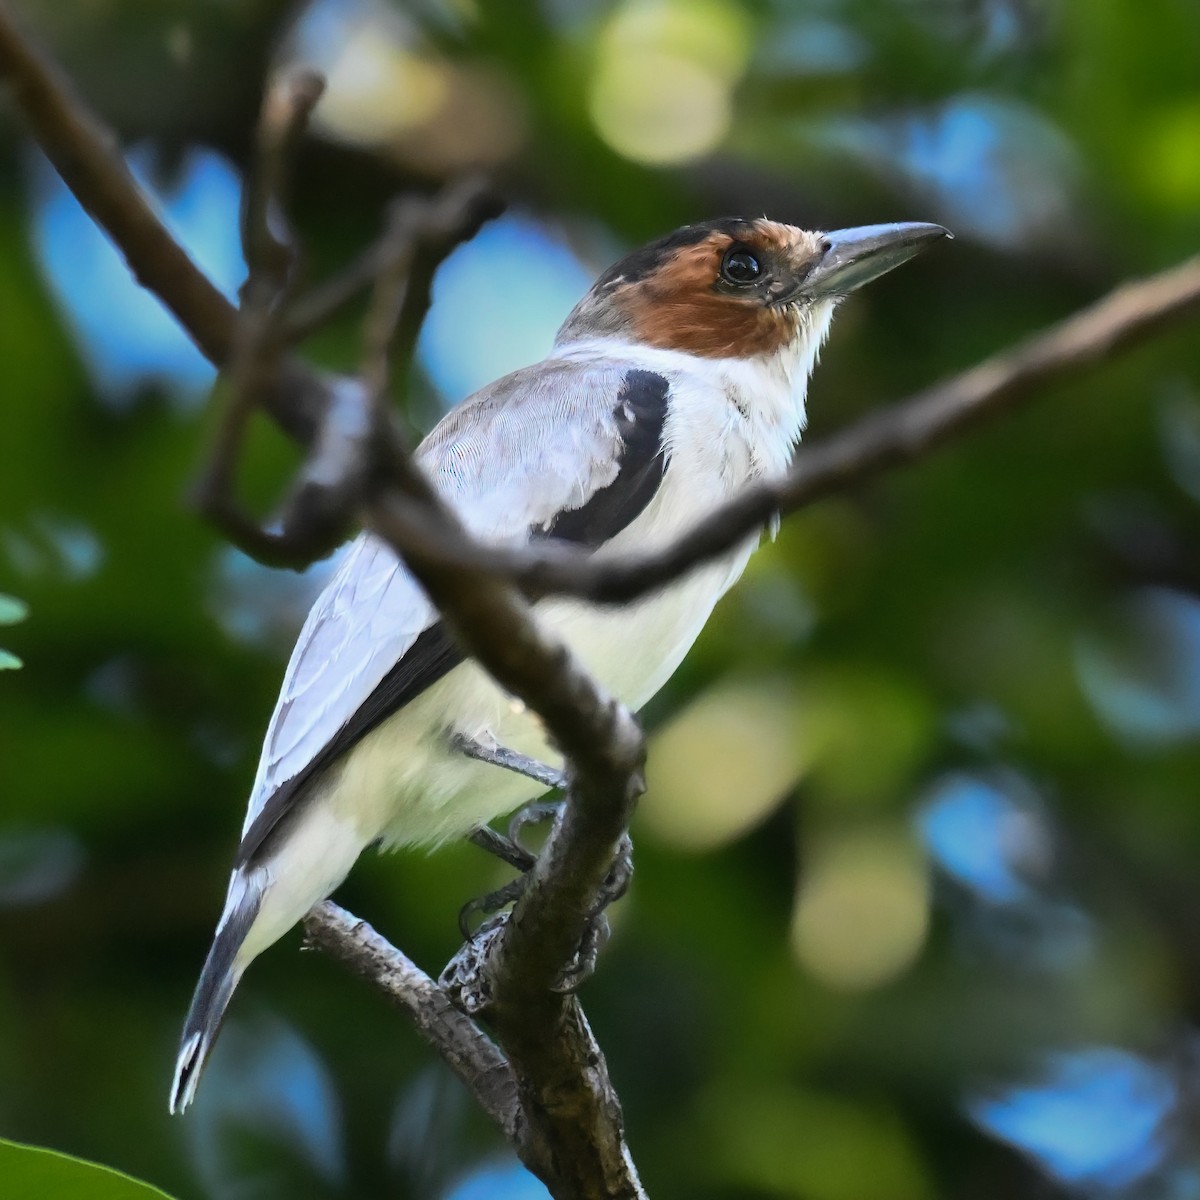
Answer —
448 219
254 366
267 241
468 1051
464 205
387 299
316 308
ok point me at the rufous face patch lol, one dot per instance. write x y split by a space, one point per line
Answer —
730 292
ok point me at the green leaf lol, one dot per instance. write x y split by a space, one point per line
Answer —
9 661
12 610
29 1173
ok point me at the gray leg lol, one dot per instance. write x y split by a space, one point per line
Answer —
516 855
510 760
508 849
505 849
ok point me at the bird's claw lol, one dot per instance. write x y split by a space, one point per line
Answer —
550 778
620 874
583 962
466 977
533 813
489 905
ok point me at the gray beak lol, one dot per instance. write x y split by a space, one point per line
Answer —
856 256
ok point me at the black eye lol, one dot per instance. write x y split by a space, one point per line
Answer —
740 266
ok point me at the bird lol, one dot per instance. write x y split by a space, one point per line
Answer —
678 379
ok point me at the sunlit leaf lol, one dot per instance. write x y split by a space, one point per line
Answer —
30 1173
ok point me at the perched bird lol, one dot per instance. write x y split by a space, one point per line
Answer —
678 379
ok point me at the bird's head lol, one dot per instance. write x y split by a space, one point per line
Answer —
736 288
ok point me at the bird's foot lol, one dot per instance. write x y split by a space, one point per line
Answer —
509 849
513 852
466 975
533 813
466 978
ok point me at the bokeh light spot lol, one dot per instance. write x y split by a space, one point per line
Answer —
862 908
390 87
497 303
1170 149
664 78
500 1182
266 1080
721 765
983 837
376 83
1095 1117
1142 673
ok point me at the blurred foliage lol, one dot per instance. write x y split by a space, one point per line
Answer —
916 914
12 612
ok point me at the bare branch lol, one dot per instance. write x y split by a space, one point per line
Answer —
85 154
906 431
563 1082
255 364
469 1052
453 217
317 307
267 241
565 1095
380 330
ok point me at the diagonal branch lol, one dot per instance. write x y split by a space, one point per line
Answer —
903 433
85 154
468 1051
492 619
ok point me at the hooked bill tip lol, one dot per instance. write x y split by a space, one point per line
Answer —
856 256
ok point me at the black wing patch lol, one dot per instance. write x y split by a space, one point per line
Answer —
641 414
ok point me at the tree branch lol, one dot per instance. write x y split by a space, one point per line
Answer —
85 154
583 1158
468 1051
902 433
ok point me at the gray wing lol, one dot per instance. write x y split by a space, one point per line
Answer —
567 449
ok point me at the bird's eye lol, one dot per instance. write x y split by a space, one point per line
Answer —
740 266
